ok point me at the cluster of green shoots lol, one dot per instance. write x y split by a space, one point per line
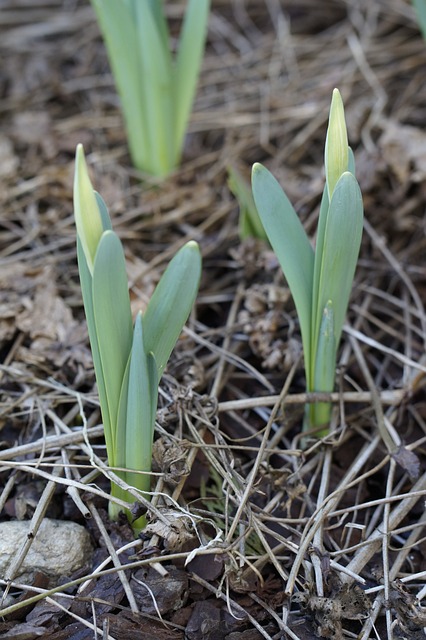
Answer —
156 88
129 358
320 281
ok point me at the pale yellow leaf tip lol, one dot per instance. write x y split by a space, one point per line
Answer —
86 211
256 167
336 144
192 244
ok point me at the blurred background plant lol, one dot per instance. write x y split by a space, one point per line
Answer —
156 89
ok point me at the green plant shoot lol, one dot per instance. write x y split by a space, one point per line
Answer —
320 281
250 225
156 88
128 359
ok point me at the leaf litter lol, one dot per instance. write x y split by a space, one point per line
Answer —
250 534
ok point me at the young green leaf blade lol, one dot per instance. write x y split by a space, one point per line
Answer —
342 241
121 421
250 225
120 448
113 320
171 303
188 63
118 26
87 215
336 143
290 243
156 83
120 455
157 10
326 352
106 220
141 410
86 290
92 219
325 367
319 250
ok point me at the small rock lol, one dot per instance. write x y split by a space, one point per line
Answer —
59 548
155 594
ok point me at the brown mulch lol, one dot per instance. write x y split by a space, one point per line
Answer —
251 535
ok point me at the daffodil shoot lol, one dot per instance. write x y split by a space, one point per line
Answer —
156 88
320 280
129 357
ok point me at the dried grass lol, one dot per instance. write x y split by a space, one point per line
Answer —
322 519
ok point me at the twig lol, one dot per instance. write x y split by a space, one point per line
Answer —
394 398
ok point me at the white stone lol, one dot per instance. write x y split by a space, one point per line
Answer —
58 549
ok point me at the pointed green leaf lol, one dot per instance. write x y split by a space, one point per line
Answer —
157 10
141 410
105 219
86 289
188 63
319 252
325 368
120 432
118 25
156 93
249 221
325 361
113 320
336 144
119 447
171 303
86 210
92 219
342 241
290 243
156 82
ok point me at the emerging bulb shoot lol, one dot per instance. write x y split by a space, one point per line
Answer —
86 210
336 144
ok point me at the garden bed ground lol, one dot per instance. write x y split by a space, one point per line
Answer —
287 541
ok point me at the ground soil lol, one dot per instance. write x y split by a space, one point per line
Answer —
253 532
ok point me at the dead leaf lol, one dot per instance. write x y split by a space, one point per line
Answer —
177 532
8 160
169 458
408 461
404 149
29 302
344 602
